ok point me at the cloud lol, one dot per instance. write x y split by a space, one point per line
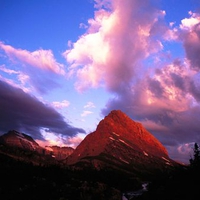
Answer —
190 36
42 59
75 141
62 104
21 77
22 112
116 41
167 104
38 70
123 50
86 113
9 71
89 105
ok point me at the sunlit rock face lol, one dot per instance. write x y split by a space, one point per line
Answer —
60 153
121 143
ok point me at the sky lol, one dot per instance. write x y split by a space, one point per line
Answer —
64 65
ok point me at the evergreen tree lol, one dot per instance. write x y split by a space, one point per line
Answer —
195 161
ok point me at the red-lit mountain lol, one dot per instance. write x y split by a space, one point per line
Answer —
122 144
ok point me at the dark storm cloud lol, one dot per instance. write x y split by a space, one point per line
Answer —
22 112
192 46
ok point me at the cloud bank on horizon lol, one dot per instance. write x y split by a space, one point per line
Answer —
126 51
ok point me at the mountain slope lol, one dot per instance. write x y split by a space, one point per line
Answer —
23 147
123 144
15 139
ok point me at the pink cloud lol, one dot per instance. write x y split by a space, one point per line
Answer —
116 41
8 71
74 141
42 59
190 36
62 104
151 125
89 105
189 23
37 70
116 52
86 113
21 77
51 139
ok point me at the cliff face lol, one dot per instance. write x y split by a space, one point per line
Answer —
119 142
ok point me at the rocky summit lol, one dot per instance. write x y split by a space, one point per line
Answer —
122 144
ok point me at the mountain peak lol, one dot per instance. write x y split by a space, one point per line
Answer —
118 113
17 139
118 122
120 141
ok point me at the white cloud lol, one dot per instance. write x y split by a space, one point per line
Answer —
116 41
62 104
86 113
43 59
89 105
188 23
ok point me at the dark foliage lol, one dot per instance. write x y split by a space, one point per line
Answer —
20 180
25 180
183 184
195 161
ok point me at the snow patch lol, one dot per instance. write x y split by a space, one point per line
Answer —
125 143
115 133
165 159
146 154
111 138
123 160
167 163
